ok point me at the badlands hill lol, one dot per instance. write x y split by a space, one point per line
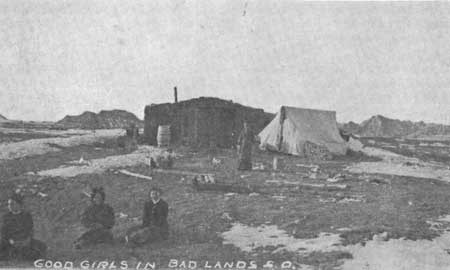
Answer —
380 126
102 120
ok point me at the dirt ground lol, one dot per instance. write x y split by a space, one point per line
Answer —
369 205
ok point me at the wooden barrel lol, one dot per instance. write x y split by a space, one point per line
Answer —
163 137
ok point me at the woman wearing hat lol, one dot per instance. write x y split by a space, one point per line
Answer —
98 218
154 221
17 233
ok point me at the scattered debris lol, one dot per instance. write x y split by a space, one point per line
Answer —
326 186
258 166
86 193
135 174
220 187
408 163
337 178
306 165
135 219
281 182
43 195
207 179
165 160
352 199
226 216
437 144
328 200
216 161
408 146
316 173
82 161
377 181
338 186
179 172
380 237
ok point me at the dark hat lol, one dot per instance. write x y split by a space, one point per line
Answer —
155 188
17 197
98 190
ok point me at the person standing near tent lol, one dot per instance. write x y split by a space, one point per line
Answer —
244 147
17 240
98 218
154 221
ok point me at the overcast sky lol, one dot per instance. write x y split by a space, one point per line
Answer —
64 57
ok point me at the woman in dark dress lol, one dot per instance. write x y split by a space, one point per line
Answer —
154 221
17 240
98 218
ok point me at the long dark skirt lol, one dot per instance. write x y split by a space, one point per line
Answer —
141 235
94 237
245 159
36 250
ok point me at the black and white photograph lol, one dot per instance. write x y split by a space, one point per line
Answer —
228 134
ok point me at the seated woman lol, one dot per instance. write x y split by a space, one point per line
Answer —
154 221
17 233
98 218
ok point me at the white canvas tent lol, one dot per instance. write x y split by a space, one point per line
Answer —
293 129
